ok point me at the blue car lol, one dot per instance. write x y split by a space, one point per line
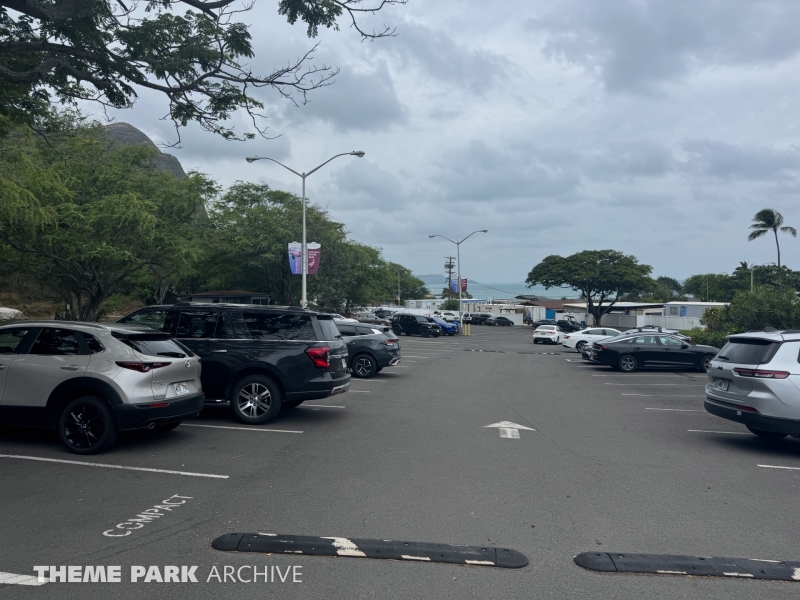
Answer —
447 328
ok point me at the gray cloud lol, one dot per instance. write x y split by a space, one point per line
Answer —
728 161
638 44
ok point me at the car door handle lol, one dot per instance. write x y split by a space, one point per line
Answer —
70 367
219 350
636 348
2 367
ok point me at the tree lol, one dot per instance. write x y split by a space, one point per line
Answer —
769 219
714 287
82 216
449 304
194 52
602 276
661 289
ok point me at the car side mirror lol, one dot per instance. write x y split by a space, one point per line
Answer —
684 345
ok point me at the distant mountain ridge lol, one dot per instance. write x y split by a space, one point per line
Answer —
127 134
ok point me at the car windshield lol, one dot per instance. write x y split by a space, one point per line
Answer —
747 351
154 345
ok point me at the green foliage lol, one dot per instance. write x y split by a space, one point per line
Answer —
602 276
82 216
769 219
704 337
661 289
449 304
194 52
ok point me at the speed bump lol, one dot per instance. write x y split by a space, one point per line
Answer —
270 543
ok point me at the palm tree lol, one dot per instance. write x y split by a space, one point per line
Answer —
769 219
743 266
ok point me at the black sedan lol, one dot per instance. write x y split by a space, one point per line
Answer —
663 351
370 348
499 321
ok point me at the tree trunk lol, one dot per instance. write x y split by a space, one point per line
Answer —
778 246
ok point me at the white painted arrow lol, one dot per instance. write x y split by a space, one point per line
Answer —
14 579
509 430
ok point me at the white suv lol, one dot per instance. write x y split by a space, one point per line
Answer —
88 381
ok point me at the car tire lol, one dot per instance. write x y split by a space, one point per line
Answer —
705 363
165 427
535 341
580 346
397 331
258 389
87 426
767 435
424 333
363 366
452 333
627 364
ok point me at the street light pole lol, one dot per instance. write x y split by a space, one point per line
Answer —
304 252
458 254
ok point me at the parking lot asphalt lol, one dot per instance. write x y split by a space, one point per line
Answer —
603 461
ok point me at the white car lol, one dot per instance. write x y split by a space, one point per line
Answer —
337 318
548 334
579 339
449 317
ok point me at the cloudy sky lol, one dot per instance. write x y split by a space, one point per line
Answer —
657 128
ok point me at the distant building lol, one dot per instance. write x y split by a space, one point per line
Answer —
230 297
690 309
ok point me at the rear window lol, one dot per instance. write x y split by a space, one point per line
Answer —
748 351
277 326
10 339
329 329
154 345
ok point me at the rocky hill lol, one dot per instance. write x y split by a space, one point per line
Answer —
125 133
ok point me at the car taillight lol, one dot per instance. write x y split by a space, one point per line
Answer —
760 374
321 357
142 367
566 337
390 342
601 347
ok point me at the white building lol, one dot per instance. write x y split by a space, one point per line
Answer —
690 309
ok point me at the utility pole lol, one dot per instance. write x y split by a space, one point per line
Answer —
449 266
398 288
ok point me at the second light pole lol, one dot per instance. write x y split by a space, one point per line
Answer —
458 254
304 258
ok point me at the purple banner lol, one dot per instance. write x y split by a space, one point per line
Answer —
296 258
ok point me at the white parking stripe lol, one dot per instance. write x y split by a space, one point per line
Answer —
414 356
661 396
659 384
358 392
88 464
14 579
239 428
779 467
728 432
676 409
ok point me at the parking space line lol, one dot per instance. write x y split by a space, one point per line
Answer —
14 579
661 396
779 467
677 410
415 356
239 428
728 432
358 392
89 464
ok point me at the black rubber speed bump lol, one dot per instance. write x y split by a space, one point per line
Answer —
696 566
366 548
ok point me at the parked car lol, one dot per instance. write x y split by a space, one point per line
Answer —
658 329
370 318
541 322
89 381
498 321
342 319
548 334
569 324
259 358
415 325
480 318
447 328
370 349
450 317
631 352
579 339
754 380
384 313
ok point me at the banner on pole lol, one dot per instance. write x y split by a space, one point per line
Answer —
454 285
296 258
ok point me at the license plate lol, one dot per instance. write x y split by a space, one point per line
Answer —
722 384
181 388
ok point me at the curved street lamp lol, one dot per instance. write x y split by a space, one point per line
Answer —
251 159
458 254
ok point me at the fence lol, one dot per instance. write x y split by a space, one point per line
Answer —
620 321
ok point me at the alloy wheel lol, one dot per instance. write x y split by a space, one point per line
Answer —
254 400
83 426
363 366
627 363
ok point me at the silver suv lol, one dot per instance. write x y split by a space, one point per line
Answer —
755 380
88 381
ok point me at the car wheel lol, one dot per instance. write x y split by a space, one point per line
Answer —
424 333
364 366
535 341
397 330
705 364
767 435
87 425
256 400
580 346
165 427
628 364
451 333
